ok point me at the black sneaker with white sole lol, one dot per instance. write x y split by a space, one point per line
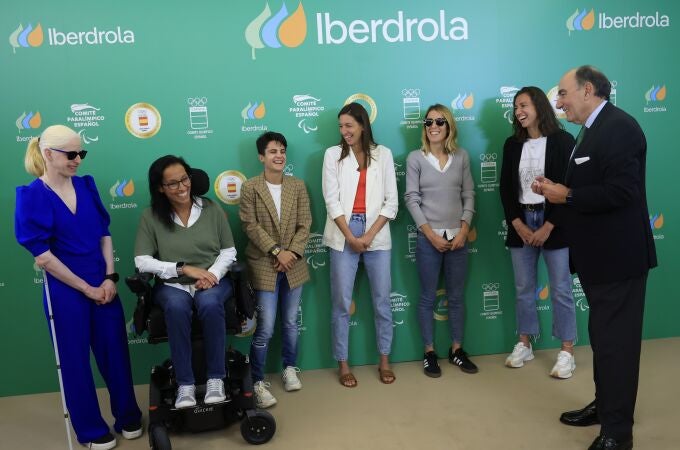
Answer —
132 431
431 365
460 358
105 442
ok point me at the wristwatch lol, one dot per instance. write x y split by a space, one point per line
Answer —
180 268
112 276
570 198
275 250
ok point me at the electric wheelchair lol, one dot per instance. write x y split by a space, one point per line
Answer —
257 426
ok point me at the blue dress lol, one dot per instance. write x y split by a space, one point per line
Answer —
43 222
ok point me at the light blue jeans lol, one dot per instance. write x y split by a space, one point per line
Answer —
525 266
344 267
430 262
267 302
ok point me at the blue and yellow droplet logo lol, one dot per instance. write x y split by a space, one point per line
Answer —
282 29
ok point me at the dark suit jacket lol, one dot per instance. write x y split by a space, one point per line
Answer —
557 151
264 230
608 227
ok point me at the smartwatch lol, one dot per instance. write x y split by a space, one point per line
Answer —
180 268
275 251
112 276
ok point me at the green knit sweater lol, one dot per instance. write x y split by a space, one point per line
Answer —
197 245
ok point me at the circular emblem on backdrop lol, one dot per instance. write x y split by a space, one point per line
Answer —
143 120
228 186
365 100
441 306
552 96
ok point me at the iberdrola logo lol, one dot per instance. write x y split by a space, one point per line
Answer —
122 189
463 101
656 94
581 20
28 121
253 111
542 292
26 37
283 28
656 221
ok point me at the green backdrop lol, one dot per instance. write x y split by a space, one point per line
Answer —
203 79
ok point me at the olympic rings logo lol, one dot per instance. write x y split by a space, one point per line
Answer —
410 92
488 157
491 286
197 101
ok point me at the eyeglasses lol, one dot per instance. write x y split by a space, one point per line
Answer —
71 155
173 186
440 121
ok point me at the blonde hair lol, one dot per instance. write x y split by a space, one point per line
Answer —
55 136
450 144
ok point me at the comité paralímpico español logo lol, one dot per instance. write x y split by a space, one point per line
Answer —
26 37
581 20
281 29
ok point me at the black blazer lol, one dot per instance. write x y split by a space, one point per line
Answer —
610 238
558 148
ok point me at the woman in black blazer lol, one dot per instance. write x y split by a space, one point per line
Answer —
538 147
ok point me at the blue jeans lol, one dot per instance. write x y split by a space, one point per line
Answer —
177 307
524 265
267 303
430 262
344 266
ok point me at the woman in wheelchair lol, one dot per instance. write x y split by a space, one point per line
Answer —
185 240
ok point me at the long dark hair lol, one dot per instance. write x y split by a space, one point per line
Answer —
160 205
359 114
547 121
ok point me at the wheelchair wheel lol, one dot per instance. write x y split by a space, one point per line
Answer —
258 428
158 438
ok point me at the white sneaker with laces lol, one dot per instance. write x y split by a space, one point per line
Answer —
214 391
291 382
520 354
186 397
565 365
263 398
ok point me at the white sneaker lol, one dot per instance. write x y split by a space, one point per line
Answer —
520 354
291 382
263 398
105 442
214 391
565 365
186 397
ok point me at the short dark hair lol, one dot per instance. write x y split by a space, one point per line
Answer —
267 137
599 80
547 121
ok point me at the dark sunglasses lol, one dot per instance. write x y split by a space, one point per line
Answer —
72 154
440 121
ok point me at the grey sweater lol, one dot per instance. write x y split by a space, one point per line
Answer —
440 199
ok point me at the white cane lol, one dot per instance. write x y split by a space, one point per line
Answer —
56 356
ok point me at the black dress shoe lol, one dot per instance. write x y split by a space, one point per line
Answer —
607 443
581 417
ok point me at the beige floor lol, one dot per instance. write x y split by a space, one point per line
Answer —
497 408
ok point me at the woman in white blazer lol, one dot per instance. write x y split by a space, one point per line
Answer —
360 191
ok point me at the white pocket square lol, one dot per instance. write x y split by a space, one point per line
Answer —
581 160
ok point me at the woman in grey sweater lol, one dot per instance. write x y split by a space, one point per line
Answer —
441 199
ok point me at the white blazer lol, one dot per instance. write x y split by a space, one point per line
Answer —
340 180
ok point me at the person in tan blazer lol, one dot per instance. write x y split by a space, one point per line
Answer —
276 217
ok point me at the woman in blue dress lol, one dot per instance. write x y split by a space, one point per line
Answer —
61 220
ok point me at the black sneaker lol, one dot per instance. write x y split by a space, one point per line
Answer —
105 442
132 431
459 358
431 365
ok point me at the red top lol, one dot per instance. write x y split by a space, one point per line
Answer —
360 199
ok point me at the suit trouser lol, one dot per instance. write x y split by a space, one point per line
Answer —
615 328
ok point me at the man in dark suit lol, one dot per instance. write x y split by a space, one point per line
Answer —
611 245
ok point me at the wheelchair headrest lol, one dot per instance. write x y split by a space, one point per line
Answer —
200 182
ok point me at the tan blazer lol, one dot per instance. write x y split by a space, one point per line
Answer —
260 222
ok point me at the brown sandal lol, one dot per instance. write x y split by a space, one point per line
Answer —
348 380
386 376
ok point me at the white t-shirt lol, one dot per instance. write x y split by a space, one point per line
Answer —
531 165
275 190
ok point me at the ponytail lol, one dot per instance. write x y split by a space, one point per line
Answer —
34 161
